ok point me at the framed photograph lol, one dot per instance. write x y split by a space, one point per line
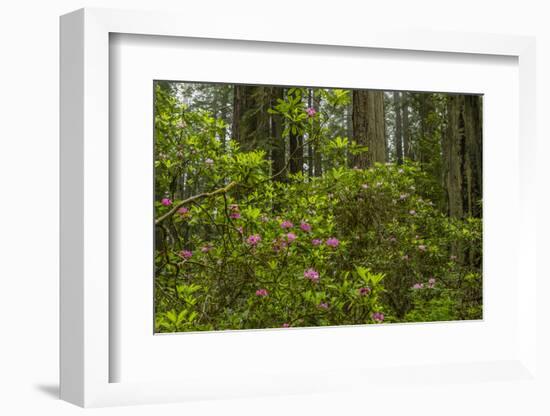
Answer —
282 213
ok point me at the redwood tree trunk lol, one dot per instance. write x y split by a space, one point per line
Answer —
398 128
369 127
462 156
406 127
277 141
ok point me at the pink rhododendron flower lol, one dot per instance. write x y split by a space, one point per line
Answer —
240 229
305 227
186 254
378 317
312 275
311 111
253 239
261 292
332 242
323 305
363 291
422 247
286 224
183 211
235 215
418 286
207 248
291 237
166 202
316 241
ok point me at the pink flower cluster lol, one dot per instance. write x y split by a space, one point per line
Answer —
378 317
186 254
207 248
305 226
166 202
364 291
235 214
316 242
332 242
261 292
290 237
311 112
254 239
183 211
286 224
418 286
312 275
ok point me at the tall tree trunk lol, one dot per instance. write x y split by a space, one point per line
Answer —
250 118
369 127
398 136
243 123
296 147
310 149
427 127
318 155
277 140
406 126
462 156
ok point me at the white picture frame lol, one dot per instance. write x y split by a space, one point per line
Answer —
85 218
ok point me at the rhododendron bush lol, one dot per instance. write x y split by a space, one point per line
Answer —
241 243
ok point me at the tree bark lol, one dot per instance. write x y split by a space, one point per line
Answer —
317 153
369 127
398 134
250 118
406 126
462 156
296 151
277 140
427 127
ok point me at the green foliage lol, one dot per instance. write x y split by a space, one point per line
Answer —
336 249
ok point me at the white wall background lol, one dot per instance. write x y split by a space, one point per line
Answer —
29 193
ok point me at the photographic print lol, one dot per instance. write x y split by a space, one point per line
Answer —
292 206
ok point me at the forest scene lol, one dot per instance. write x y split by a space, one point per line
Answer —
281 207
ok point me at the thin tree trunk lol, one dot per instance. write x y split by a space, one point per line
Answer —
406 126
317 153
277 141
296 154
310 149
398 134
